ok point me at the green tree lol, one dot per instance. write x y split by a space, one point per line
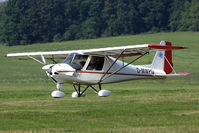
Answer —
155 14
190 16
93 26
109 16
84 10
128 19
33 21
57 38
72 20
11 23
2 16
136 22
72 32
122 20
176 14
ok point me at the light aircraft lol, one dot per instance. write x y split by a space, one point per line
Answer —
86 68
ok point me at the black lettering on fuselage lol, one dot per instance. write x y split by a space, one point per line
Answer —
145 71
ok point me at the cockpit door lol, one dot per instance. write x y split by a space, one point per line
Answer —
96 63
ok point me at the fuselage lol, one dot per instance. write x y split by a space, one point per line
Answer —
105 72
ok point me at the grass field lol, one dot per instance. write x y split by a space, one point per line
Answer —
141 106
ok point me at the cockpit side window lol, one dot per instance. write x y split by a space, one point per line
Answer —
77 61
80 60
96 63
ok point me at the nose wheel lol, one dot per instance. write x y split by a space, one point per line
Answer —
58 93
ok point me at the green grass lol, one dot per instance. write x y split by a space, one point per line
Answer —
170 106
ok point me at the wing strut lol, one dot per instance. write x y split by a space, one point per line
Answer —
53 59
101 79
42 59
121 67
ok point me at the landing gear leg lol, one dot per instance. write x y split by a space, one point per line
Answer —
58 93
78 93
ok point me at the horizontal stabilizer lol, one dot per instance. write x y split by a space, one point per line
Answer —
180 74
176 74
166 47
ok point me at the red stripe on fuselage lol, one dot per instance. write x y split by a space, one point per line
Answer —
107 73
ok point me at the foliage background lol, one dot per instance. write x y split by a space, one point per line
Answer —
36 21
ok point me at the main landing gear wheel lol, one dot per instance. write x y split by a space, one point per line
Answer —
58 93
104 93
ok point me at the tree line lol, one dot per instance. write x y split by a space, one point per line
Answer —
37 21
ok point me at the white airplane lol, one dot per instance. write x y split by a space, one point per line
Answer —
85 68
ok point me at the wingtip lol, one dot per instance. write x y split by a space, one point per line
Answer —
184 47
5 55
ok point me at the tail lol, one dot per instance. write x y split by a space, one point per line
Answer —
163 59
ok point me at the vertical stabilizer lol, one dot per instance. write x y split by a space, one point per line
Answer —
163 59
168 64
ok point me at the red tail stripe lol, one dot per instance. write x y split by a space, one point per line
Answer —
168 64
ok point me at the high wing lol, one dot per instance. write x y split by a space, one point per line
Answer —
110 51
47 55
131 49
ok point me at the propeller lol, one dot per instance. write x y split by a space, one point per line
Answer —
48 69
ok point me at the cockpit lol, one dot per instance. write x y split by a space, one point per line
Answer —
78 62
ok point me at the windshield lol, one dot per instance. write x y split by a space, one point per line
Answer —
69 58
77 61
